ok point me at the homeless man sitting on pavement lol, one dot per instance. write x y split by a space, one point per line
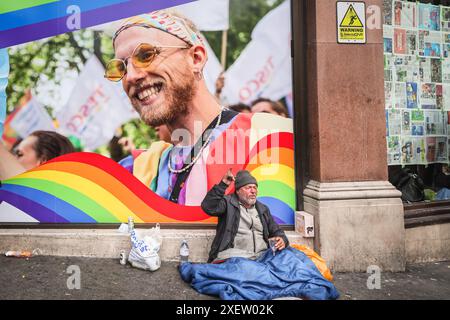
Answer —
243 266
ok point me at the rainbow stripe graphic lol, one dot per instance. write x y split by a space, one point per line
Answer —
28 20
276 181
90 188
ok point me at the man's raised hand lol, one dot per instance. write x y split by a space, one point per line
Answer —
228 178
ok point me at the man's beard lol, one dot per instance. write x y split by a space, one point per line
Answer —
246 200
176 101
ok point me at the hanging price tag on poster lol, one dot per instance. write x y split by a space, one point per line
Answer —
351 22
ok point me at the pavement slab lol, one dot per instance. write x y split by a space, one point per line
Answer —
46 277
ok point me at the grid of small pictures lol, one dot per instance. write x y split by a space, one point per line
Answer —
417 82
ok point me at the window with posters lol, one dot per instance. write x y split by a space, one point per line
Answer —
57 82
417 92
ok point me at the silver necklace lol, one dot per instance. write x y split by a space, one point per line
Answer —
200 151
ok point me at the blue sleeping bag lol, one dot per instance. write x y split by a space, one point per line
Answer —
290 273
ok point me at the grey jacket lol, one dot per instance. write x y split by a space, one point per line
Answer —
226 208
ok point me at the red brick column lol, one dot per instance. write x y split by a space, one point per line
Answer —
346 100
358 214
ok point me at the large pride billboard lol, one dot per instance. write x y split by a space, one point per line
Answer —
86 187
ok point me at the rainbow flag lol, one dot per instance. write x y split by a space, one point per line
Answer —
90 188
28 20
10 135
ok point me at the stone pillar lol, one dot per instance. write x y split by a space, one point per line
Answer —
358 213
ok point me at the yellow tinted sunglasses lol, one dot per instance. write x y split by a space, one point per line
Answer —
142 57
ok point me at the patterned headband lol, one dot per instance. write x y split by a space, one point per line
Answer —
163 21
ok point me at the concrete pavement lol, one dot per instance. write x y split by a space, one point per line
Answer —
45 277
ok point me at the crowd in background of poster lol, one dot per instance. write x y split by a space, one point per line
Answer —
417 82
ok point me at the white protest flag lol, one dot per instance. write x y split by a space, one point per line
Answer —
95 109
275 26
250 74
281 82
32 116
280 37
208 15
264 67
212 68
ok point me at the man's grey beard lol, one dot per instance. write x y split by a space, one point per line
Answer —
247 201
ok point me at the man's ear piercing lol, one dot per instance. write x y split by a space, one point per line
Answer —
198 75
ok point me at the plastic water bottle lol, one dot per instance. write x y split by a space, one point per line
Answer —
184 252
130 224
123 258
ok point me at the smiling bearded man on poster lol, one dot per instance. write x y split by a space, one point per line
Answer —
160 59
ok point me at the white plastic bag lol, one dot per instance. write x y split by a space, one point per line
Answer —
145 245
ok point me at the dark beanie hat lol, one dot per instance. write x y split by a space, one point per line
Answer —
243 177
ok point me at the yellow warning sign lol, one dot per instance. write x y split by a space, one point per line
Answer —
351 18
351 22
